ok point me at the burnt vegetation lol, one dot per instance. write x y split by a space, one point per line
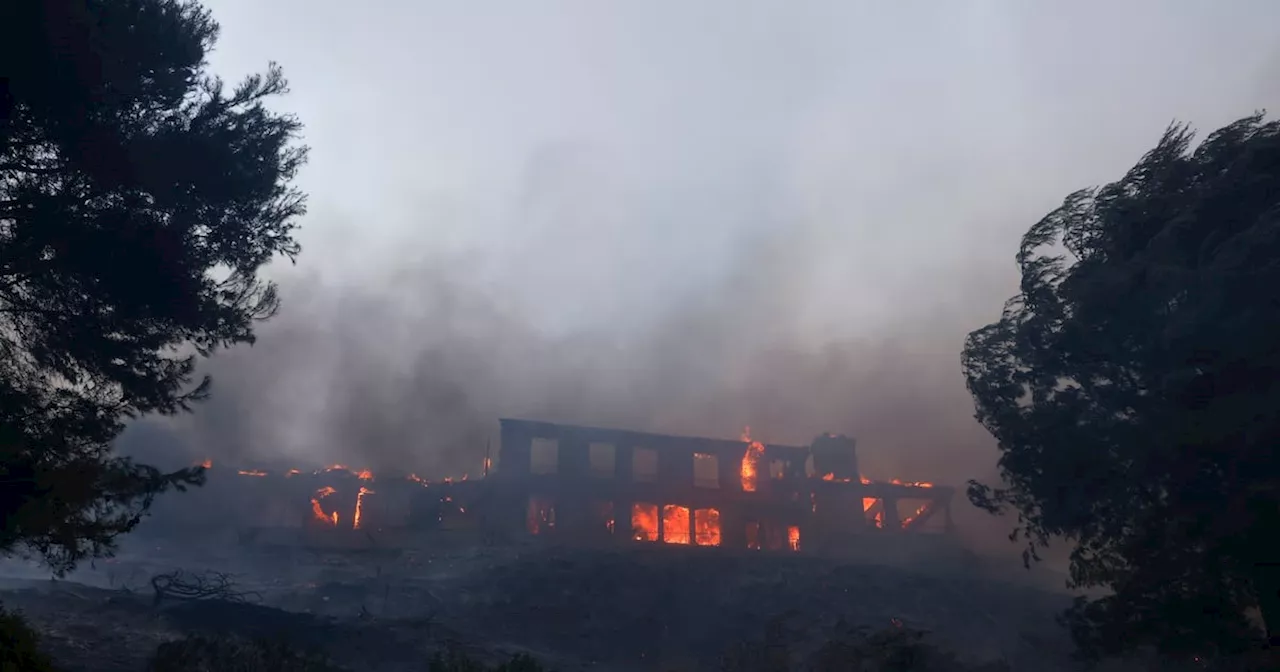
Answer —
1132 385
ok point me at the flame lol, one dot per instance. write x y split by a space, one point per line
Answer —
415 478
207 464
906 522
360 505
793 538
487 464
706 527
751 461
291 472
644 522
875 507
251 472
318 511
364 475
866 481
675 524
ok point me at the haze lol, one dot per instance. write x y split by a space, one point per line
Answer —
681 217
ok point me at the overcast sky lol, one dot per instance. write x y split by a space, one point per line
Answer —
684 216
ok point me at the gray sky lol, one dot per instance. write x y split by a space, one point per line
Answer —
684 216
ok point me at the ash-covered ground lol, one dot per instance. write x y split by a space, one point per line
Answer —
389 609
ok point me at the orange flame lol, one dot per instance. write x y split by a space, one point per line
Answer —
644 522
793 538
675 524
364 475
906 522
291 472
706 527
750 471
355 523
251 472
318 511
207 464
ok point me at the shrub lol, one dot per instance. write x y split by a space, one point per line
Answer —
20 645
198 653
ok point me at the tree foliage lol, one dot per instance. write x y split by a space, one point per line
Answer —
1134 387
139 198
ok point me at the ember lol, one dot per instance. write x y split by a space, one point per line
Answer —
542 515
753 536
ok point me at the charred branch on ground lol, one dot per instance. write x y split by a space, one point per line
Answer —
209 585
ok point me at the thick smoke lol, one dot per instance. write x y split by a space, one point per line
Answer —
410 372
790 224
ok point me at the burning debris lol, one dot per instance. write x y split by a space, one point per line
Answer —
318 511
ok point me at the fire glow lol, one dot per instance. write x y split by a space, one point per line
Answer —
750 471
359 515
318 511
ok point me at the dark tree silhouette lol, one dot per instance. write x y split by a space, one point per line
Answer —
138 200
1134 388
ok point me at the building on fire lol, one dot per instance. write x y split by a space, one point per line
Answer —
593 486
585 484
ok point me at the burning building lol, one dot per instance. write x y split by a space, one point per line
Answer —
588 484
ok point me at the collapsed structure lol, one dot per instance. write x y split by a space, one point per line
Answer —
589 485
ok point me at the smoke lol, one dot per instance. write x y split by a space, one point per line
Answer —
790 224
409 371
